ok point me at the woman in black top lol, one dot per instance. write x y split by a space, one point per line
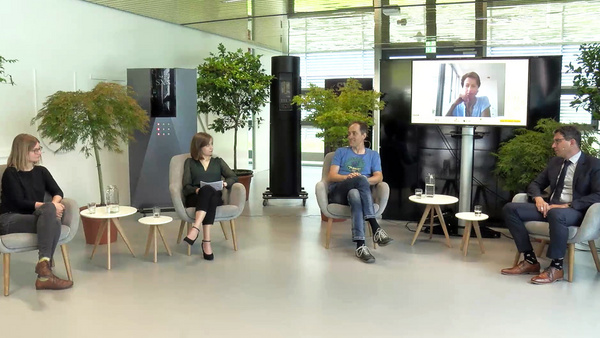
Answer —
23 209
203 168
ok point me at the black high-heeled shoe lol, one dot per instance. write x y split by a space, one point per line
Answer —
207 257
192 241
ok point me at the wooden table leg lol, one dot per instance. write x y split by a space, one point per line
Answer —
108 242
420 226
478 233
163 240
98 236
120 231
431 223
464 237
467 236
155 243
148 241
438 210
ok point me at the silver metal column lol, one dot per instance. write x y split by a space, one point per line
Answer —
466 171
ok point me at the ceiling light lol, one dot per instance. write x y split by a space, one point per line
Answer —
390 10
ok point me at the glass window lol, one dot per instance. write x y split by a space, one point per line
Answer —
414 29
455 22
331 33
328 5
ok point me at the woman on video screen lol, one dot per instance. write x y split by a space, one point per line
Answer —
468 103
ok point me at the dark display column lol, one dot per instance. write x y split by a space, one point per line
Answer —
169 96
285 151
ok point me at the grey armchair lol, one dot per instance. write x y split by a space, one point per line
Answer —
233 201
587 232
381 194
22 242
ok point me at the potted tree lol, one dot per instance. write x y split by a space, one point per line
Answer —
332 113
522 158
587 80
5 77
233 87
102 118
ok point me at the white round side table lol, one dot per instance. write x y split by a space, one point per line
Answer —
155 223
433 208
102 213
472 221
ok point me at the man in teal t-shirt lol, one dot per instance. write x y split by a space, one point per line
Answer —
353 171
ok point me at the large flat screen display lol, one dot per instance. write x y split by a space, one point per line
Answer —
470 92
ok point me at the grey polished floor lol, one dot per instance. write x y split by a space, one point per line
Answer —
283 283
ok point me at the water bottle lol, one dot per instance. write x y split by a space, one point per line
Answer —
112 199
430 185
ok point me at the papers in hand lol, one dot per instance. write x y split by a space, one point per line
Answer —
218 185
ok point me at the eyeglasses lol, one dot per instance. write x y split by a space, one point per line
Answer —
558 140
37 150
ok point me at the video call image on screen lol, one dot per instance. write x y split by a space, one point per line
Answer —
470 92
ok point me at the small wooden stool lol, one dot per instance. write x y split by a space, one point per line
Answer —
472 222
155 223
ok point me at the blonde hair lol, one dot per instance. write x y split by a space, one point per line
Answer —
199 141
21 146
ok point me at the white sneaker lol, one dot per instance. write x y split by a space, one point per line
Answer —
364 254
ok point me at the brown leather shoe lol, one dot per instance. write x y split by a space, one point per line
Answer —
43 269
550 275
52 283
523 268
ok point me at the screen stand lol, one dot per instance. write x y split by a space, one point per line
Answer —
466 171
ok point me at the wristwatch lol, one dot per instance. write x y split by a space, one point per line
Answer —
569 204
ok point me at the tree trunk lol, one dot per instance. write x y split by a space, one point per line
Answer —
235 147
100 180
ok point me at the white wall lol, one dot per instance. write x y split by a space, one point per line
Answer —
72 44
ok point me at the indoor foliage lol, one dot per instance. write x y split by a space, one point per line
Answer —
332 113
522 158
102 118
5 77
234 87
587 79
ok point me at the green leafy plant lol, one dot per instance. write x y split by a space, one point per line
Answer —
102 118
234 87
5 77
522 158
587 79
332 113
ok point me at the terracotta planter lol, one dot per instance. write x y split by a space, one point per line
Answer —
91 226
245 178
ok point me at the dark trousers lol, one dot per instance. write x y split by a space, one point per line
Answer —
207 200
515 214
42 222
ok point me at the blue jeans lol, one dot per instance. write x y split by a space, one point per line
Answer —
355 192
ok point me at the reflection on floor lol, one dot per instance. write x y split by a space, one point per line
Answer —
283 283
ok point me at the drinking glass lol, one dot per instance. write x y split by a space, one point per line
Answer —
91 207
156 211
477 210
418 193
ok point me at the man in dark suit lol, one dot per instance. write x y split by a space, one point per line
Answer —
574 180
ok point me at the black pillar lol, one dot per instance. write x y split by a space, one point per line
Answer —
285 155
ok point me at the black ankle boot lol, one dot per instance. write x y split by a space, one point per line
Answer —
207 257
